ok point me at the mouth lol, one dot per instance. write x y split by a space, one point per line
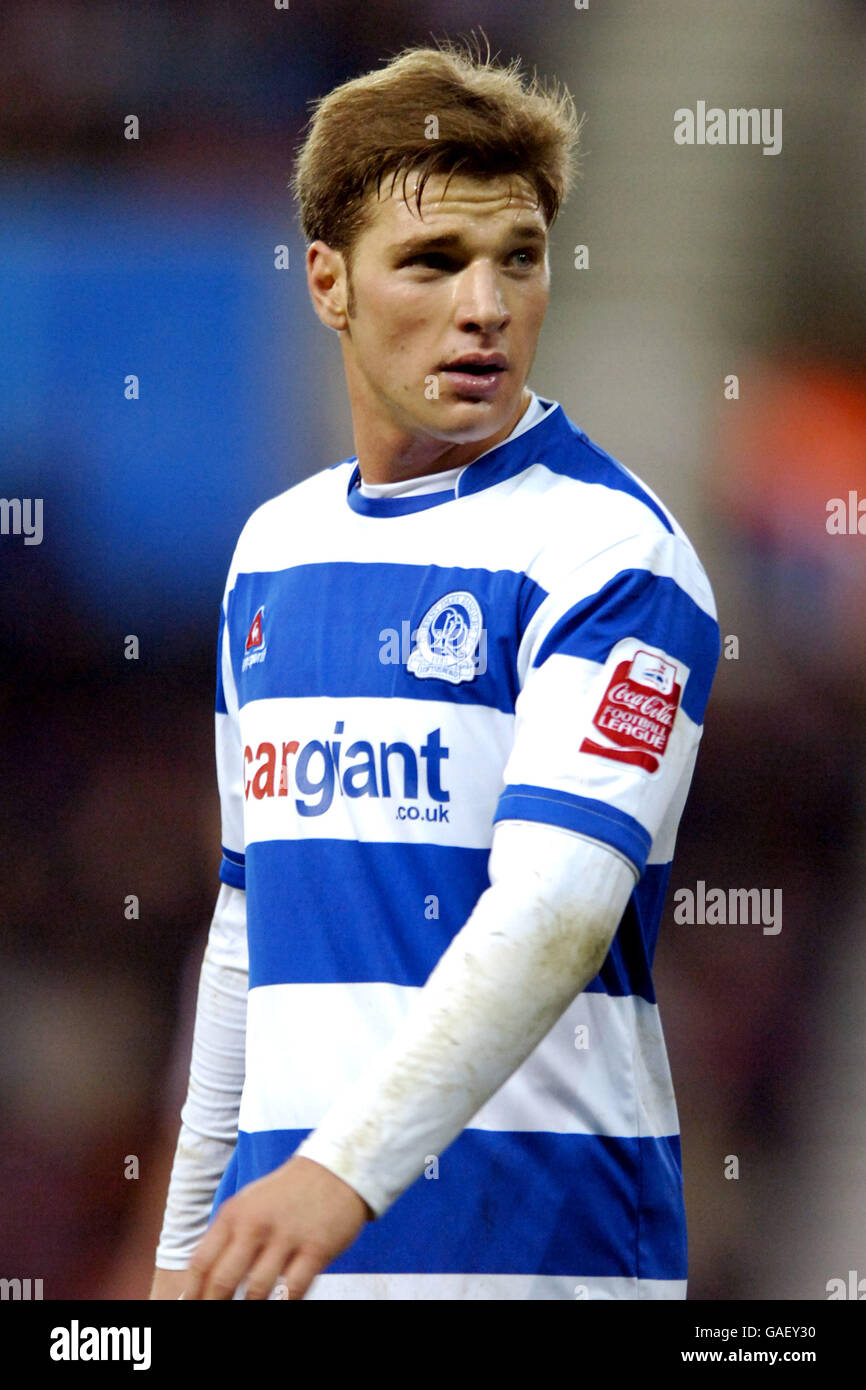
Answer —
476 374
477 364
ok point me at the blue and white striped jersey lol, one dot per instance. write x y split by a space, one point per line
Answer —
396 675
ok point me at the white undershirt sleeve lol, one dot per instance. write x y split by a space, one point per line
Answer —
209 1118
535 939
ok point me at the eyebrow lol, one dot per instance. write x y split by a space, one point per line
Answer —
529 231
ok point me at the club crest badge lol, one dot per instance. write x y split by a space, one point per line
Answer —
448 638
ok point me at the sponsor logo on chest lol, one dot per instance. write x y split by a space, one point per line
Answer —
314 772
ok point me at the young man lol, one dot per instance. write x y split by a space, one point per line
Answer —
462 681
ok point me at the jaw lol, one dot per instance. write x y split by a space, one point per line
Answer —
402 432
465 420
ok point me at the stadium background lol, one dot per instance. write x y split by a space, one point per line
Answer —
156 257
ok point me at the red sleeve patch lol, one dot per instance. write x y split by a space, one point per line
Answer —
637 712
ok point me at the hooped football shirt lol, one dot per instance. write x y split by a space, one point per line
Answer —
534 638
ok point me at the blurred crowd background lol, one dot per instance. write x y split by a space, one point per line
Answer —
155 257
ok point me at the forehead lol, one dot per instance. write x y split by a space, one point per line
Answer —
461 202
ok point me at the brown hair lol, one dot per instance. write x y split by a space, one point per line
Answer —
492 120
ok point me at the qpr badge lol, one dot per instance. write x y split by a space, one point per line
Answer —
448 637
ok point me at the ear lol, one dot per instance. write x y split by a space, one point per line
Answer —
326 280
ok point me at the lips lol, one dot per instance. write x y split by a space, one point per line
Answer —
476 376
477 364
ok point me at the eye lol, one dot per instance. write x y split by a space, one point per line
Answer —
529 253
432 260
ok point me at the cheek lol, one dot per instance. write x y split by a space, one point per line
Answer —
396 325
535 309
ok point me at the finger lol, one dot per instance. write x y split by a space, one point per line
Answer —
206 1252
300 1273
231 1267
266 1271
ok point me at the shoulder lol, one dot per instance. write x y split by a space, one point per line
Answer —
262 541
596 515
577 473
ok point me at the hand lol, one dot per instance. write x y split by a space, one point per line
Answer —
168 1283
291 1224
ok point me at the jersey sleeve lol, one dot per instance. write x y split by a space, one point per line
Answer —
229 762
615 669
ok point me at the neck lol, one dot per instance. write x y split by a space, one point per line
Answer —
388 453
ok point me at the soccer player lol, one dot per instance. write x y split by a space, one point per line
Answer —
462 682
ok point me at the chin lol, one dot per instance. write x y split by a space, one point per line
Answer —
465 421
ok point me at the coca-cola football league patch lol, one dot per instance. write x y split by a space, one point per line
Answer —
637 712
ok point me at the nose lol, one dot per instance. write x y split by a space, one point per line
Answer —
479 302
